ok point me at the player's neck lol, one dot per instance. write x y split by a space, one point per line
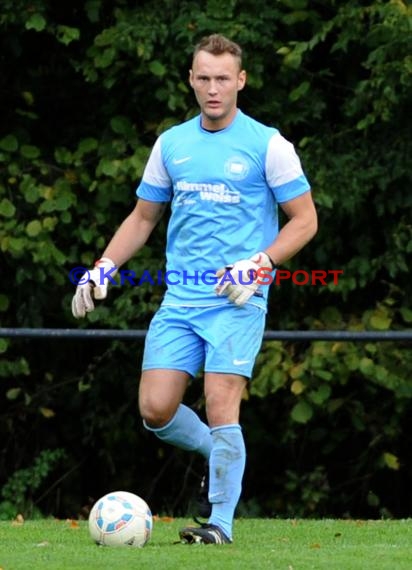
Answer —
216 125
213 130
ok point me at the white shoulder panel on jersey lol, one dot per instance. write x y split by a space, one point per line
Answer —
155 172
282 163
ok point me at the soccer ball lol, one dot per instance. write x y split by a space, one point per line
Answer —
120 519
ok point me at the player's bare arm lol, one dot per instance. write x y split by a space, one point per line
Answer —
128 240
134 231
300 228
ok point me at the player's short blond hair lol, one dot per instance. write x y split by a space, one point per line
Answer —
216 44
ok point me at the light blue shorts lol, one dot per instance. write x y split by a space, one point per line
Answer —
224 338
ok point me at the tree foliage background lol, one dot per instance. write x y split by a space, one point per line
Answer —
85 89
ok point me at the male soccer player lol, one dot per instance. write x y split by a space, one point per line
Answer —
225 175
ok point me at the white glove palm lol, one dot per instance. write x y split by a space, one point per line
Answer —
241 278
94 283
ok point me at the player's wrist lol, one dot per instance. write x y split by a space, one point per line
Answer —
274 264
104 262
264 260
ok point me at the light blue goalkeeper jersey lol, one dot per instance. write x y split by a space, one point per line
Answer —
224 188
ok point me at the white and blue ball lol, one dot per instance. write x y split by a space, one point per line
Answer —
120 519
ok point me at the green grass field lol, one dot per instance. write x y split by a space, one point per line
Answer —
258 544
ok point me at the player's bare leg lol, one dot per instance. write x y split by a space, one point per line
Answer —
161 393
223 394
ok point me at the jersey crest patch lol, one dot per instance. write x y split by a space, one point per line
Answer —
236 168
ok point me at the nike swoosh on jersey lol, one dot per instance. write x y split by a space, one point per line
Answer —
181 160
240 362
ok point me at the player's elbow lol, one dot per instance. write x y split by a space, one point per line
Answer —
309 224
313 225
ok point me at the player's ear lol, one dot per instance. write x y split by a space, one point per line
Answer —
241 80
191 77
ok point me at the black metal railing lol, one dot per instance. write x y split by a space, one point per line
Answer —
136 334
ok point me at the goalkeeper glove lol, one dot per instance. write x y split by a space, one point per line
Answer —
93 283
242 278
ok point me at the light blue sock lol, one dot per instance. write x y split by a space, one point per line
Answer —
227 465
185 430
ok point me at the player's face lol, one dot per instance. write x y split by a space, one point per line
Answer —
216 80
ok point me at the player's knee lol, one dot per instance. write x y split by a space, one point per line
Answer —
153 415
220 413
153 422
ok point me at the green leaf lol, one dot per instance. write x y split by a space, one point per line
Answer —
9 143
63 202
13 393
63 156
29 151
297 371
121 125
87 145
14 169
366 366
331 316
17 245
92 8
4 303
380 322
301 412
371 348
284 50
7 208
320 395
297 387
31 191
109 167
296 17
406 314
105 58
83 386
33 228
66 34
300 91
381 374
66 217
49 223
36 22
324 374
157 68
373 499
391 461
293 60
